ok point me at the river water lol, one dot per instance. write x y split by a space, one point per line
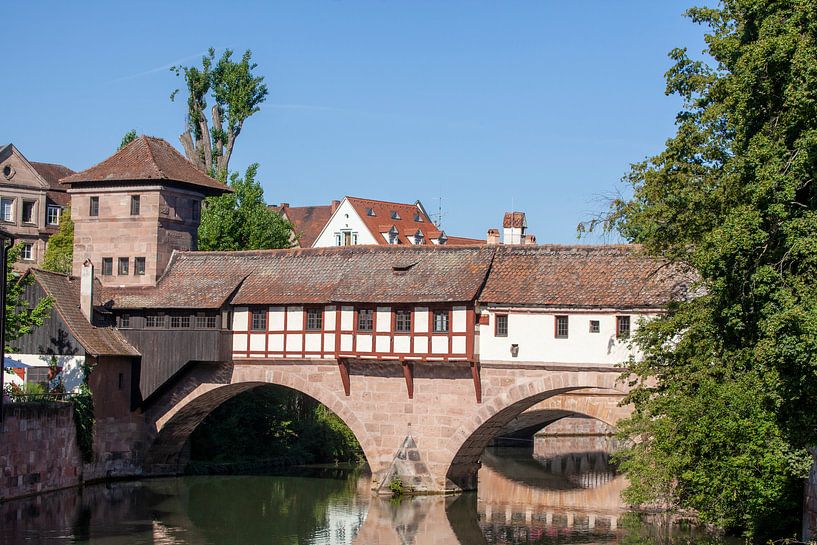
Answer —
573 498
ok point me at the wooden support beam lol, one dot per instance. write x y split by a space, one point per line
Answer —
477 383
343 367
408 373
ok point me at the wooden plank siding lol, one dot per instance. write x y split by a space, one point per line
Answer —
166 351
53 337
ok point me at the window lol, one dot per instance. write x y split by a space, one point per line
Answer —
314 319
418 217
561 327
139 265
370 212
52 215
7 209
28 211
93 207
205 322
27 253
124 263
395 215
107 266
259 320
134 205
402 321
594 326
121 380
154 320
196 209
501 325
172 210
365 319
179 322
440 321
124 321
38 375
622 327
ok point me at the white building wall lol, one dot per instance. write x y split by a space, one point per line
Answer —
345 218
71 373
534 333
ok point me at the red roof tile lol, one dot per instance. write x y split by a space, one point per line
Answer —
607 276
148 158
97 341
383 211
52 173
308 221
463 241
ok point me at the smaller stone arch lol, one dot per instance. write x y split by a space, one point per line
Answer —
508 404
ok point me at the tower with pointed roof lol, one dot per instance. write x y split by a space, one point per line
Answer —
132 210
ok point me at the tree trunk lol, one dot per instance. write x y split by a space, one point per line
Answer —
191 150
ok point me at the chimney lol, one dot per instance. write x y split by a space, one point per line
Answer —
283 205
529 239
335 205
493 236
86 290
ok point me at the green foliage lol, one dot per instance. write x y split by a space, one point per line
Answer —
726 395
84 420
127 138
236 93
241 220
59 253
20 318
273 422
396 487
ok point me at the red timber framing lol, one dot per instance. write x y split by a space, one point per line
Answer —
286 340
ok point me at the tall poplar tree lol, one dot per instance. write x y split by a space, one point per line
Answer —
726 394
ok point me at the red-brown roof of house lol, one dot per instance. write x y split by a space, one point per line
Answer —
307 221
97 341
52 173
513 219
463 241
383 213
148 158
606 276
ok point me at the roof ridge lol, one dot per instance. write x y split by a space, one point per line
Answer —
160 172
414 205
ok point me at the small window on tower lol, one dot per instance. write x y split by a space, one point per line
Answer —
594 326
124 264
93 207
139 266
134 205
107 266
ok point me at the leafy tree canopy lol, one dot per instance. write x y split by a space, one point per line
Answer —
241 220
236 92
59 253
127 138
726 396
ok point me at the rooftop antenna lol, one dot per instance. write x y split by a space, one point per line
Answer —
438 217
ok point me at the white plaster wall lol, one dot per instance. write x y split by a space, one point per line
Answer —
276 342
239 343
383 319
534 332
383 344
71 373
240 319
402 344
421 345
347 317
313 342
275 321
364 343
295 319
294 343
329 318
421 320
345 218
258 343
346 343
458 316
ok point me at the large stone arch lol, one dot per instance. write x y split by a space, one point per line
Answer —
176 416
507 404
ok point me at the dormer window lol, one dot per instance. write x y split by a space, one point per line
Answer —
418 217
418 237
395 215
370 212
393 237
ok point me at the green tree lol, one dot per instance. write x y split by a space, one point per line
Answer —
236 93
241 220
59 253
20 317
128 137
726 393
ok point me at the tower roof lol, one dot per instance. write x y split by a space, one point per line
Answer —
147 158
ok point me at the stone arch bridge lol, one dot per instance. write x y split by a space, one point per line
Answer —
431 440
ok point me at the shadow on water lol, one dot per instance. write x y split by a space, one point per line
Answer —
520 501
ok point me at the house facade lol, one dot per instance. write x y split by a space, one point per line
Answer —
31 202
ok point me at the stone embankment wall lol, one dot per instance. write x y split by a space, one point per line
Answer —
39 451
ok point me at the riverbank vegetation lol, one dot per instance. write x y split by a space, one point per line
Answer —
726 395
273 423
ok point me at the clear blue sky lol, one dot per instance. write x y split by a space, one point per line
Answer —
540 104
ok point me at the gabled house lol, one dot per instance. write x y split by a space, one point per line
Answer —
365 221
307 221
31 202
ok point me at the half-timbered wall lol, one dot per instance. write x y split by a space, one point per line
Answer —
286 333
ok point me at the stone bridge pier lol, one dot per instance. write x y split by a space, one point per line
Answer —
424 423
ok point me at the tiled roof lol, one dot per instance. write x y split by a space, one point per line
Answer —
307 221
607 276
383 211
355 274
148 158
513 219
97 341
52 173
463 241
